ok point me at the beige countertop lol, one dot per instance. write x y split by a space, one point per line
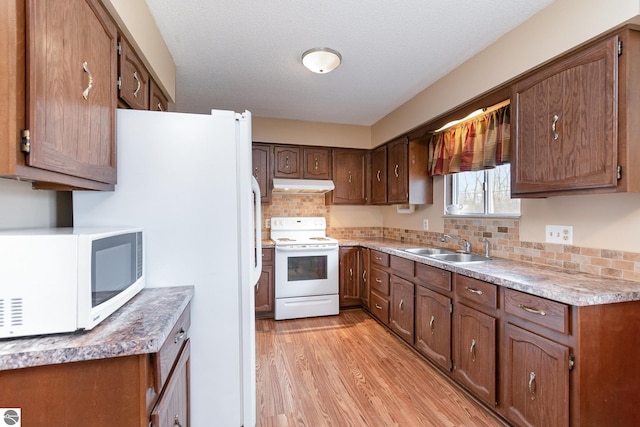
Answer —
566 286
138 327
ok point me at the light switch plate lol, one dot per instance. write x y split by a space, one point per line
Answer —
267 223
562 234
425 224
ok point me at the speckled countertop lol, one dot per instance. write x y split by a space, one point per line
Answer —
138 327
566 286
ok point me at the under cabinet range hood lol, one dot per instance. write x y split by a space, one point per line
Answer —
302 186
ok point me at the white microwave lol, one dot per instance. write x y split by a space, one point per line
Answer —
58 280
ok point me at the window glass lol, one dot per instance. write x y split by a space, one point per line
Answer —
486 192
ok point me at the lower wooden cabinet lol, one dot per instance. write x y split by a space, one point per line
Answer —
536 379
365 262
401 313
433 326
349 276
172 409
265 288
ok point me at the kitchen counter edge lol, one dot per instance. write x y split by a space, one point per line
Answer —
139 327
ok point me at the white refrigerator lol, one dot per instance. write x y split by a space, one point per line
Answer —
186 180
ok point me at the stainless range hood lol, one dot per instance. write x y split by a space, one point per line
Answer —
302 186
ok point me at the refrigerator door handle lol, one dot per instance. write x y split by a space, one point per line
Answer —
257 225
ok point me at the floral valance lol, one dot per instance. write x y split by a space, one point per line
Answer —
481 142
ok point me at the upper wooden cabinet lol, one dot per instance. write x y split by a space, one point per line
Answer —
261 159
157 100
62 89
379 176
286 161
317 162
575 127
349 169
133 78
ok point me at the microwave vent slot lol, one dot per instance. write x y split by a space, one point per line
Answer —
1 313
16 312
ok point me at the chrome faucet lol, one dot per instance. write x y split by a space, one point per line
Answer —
462 242
487 247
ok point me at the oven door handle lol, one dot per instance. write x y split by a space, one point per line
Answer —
300 250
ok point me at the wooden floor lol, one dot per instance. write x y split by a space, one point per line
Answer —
348 370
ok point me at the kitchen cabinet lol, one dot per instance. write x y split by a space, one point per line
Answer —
133 77
317 162
349 169
131 391
349 273
379 176
265 288
64 75
287 162
157 100
401 313
379 285
365 289
261 161
433 326
575 127
407 177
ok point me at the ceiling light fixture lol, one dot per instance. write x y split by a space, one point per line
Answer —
321 60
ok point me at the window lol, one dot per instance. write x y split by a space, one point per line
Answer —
482 193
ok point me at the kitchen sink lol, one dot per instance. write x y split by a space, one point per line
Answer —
429 251
459 257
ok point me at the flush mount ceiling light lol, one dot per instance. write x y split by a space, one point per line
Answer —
321 60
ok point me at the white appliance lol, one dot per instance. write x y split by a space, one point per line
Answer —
56 280
306 264
186 179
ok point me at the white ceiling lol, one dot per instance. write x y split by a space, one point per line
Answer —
246 54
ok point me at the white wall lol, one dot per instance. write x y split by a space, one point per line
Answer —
22 207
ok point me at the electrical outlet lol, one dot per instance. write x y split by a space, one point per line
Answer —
425 224
562 234
267 223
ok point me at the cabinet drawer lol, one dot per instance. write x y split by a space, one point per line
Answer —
380 281
267 256
380 307
166 357
476 291
543 312
433 276
402 267
379 258
172 408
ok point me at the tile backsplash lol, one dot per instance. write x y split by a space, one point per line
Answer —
503 234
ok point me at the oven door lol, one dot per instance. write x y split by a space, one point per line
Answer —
306 271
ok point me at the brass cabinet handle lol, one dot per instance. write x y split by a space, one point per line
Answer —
378 175
137 79
179 336
532 310
160 107
401 303
176 422
433 319
364 276
255 172
85 93
553 127
286 162
257 287
474 291
379 307
396 171
378 280
378 258
532 385
315 163
351 273
472 350
349 176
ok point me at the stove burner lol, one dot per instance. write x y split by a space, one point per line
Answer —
285 239
322 239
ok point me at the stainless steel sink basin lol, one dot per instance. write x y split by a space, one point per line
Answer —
429 251
459 257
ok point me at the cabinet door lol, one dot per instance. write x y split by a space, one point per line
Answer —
397 173
349 277
71 79
265 291
348 175
402 308
172 408
157 100
365 289
261 158
537 379
133 77
317 163
474 352
287 162
566 121
379 176
433 326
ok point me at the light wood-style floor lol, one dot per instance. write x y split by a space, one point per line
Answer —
348 370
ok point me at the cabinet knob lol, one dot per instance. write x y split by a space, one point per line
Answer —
179 336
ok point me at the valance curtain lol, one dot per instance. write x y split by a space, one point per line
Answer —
482 142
